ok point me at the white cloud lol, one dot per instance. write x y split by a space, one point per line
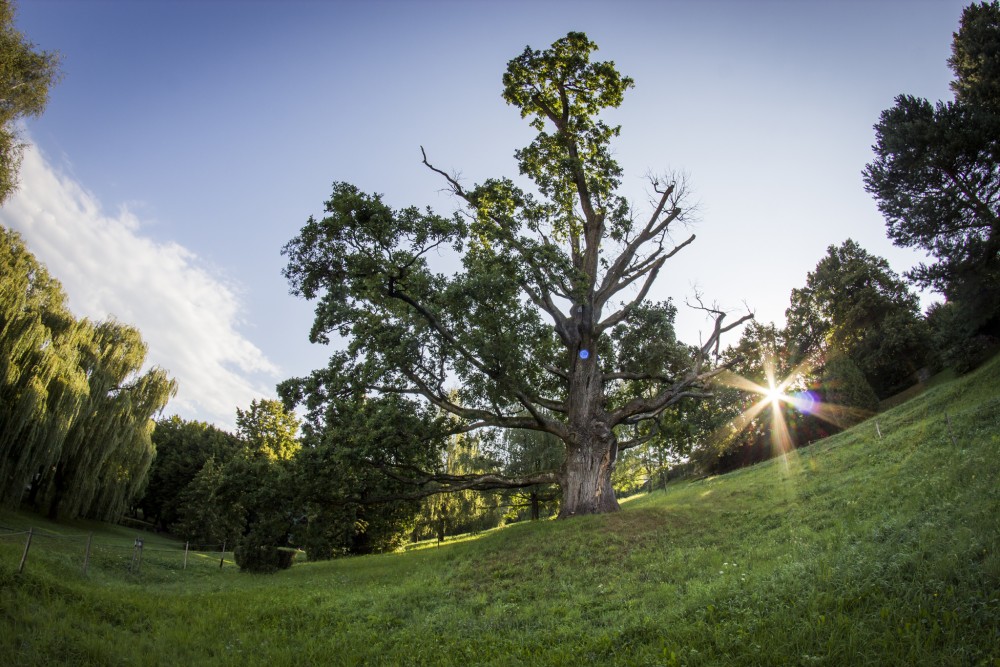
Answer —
187 315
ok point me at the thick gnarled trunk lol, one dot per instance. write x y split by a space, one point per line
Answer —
586 477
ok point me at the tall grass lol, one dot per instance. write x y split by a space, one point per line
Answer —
859 550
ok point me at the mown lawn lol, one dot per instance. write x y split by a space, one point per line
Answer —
858 550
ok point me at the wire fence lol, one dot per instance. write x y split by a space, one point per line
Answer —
129 556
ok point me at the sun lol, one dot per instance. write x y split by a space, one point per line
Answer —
774 395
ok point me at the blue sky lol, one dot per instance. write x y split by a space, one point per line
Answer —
189 141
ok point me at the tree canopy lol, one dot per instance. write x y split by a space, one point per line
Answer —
854 303
75 401
25 77
936 174
540 327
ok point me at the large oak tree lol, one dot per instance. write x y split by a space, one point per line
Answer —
546 326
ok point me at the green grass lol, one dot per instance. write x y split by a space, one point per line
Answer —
858 550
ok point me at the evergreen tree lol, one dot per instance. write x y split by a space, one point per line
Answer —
936 176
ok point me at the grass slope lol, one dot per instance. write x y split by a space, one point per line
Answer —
859 550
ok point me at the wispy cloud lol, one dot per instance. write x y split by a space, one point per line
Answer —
188 315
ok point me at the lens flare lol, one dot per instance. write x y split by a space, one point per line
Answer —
773 395
804 401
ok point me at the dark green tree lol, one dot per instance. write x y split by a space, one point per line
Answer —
183 448
353 475
975 56
854 303
257 489
262 493
534 327
204 516
25 77
936 175
843 384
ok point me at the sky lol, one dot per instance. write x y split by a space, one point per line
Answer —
188 141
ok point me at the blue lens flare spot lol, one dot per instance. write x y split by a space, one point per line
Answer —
584 354
805 401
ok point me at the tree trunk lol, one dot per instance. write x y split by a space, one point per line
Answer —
586 479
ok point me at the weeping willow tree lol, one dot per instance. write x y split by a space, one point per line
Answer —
108 449
42 386
75 406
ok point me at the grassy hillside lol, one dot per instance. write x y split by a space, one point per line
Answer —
859 550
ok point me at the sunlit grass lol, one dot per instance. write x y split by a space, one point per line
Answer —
859 550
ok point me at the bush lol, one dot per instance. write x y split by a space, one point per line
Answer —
262 558
843 384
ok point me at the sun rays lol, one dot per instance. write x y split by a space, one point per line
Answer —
790 391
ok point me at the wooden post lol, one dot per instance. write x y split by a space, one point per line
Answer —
86 554
24 556
222 556
136 557
186 545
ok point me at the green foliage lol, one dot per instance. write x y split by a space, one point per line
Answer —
461 511
75 405
856 551
975 56
348 474
43 386
562 82
25 77
262 490
936 175
954 332
844 385
183 448
853 302
524 453
204 514
267 430
108 449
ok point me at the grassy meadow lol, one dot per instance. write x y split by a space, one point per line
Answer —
858 550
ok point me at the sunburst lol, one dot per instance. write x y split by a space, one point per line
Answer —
775 393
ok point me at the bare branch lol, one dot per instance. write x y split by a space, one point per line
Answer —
693 385
543 296
636 376
435 483
654 226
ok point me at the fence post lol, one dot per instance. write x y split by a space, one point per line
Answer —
136 557
86 554
947 418
222 556
186 544
24 556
